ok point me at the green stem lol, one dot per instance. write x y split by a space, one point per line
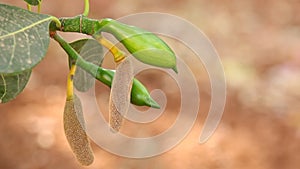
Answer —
87 66
80 24
86 8
39 7
57 23
28 7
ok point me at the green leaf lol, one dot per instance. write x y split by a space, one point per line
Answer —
91 51
24 38
12 84
33 2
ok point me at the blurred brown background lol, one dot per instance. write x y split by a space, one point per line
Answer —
259 45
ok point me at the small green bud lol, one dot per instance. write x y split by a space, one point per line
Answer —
143 45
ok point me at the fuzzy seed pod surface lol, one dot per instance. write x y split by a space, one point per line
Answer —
120 94
75 132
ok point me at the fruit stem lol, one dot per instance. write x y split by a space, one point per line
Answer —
28 7
86 8
118 54
70 87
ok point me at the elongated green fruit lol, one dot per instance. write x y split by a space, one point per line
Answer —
139 94
75 133
144 45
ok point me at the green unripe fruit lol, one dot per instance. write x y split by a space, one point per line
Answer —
143 45
139 94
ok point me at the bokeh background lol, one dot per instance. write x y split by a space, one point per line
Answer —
259 45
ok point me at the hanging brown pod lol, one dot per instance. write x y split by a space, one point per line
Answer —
75 133
115 117
119 99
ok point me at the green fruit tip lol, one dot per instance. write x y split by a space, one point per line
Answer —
152 103
175 69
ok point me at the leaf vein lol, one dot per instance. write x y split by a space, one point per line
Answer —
12 53
18 84
4 84
25 28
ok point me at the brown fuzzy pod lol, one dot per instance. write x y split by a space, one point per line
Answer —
119 99
75 132
115 117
